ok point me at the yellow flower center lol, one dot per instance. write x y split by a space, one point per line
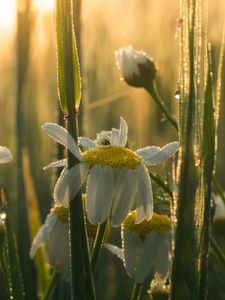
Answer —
158 223
61 212
113 156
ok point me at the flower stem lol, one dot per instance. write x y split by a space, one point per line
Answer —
51 287
98 244
5 274
151 88
136 292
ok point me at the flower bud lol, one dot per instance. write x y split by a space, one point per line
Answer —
136 67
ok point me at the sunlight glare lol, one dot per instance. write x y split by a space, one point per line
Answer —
44 5
7 15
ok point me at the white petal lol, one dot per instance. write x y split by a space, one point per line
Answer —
43 233
115 250
62 136
69 183
99 193
144 195
56 164
86 142
147 152
161 264
164 153
115 137
133 247
124 194
145 264
57 253
5 155
123 132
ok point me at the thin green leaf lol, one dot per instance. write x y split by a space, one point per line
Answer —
12 257
68 73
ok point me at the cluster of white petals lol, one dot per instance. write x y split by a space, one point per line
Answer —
51 232
117 178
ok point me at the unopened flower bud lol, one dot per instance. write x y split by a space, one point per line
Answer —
136 67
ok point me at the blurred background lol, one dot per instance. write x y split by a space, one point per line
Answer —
28 84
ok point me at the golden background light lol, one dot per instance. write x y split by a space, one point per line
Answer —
44 4
7 15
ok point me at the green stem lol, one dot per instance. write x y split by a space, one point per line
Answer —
5 274
219 252
151 88
82 286
98 244
161 183
136 292
51 287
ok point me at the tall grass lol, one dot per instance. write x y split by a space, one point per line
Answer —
105 28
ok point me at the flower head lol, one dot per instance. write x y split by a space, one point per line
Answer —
117 177
5 155
55 228
135 66
146 242
145 246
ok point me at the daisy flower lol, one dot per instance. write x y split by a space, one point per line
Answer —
55 229
116 176
5 155
135 66
145 246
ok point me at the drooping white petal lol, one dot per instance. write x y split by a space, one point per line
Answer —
123 132
148 152
144 205
115 250
145 264
133 247
5 155
57 252
99 193
161 263
56 164
115 137
69 183
86 142
164 153
43 233
124 194
62 136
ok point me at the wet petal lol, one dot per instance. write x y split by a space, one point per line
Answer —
161 264
43 233
133 250
145 264
144 206
99 193
86 142
56 164
148 152
124 194
115 250
164 153
69 183
5 155
57 253
115 137
123 132
62 136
